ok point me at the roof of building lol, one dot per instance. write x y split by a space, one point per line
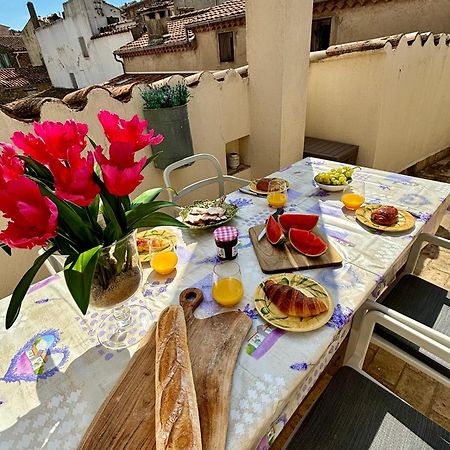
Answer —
115 28
327 6
12 43
17 77
181 28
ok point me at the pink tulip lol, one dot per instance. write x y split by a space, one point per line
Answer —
128 131
11 167
74 179
33 217
121 173
51 140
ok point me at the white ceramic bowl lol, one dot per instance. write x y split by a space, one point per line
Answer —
331 187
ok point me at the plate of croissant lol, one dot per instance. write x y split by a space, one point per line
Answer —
385 218
261 186
293 302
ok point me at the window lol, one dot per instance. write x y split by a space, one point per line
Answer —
84 49
226 47
5 61
320 34
73 80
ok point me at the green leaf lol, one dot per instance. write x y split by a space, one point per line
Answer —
21 289
150 159
84 258
79 273
146 197
38 170
144 210
94 145
6 248
157 219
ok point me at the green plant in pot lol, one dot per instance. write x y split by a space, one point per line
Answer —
165 107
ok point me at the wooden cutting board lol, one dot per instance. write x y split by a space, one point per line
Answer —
126 420
284 258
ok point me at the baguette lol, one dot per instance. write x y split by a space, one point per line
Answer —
177 424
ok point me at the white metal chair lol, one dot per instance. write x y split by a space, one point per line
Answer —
355 411
419 305
220 178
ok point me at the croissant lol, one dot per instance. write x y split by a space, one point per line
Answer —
292 302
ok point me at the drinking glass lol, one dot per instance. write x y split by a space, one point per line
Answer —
117 278
227 283
354 195
277 193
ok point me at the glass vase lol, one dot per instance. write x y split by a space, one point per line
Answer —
117 278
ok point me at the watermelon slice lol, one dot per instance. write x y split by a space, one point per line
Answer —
300 221
307 242
274 232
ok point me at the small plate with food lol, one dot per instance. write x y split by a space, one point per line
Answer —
385 218
293 302
261 186
159 238
204 214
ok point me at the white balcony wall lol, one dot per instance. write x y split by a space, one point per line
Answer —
218 113
393 103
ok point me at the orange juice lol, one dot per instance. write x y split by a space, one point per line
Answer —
352 200
227 291
164 262
277 199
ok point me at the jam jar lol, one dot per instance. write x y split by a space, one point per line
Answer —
226 241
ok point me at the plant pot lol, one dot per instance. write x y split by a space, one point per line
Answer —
173 124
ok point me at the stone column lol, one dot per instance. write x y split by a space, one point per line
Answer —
278 40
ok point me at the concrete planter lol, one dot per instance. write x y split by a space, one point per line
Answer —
173 124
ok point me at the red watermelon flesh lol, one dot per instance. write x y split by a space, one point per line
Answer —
274 232
307 242
300 221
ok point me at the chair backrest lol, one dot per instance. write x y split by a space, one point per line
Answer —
220 178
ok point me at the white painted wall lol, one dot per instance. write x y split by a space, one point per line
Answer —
393 103
218 113
62 52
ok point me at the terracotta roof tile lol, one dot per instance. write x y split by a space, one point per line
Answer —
12 43
181 27
333 5
16 77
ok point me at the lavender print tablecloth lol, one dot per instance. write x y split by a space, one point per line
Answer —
54 375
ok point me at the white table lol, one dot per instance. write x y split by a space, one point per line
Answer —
275 369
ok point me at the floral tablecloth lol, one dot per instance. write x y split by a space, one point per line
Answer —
54 375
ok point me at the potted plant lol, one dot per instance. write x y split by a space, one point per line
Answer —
165 107
56 197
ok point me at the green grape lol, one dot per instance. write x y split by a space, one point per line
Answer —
342 179
326 179
349 173
335 181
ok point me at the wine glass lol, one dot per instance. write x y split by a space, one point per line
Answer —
277 193
227 287
354 195
117 278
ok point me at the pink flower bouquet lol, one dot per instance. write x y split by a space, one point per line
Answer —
55 196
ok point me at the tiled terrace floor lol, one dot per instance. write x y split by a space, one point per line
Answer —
419 390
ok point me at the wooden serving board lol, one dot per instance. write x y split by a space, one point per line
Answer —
126 420
284 258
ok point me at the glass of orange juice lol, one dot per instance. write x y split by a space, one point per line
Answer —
277 193
227 287
354 195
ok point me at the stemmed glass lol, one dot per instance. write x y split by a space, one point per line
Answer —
227 283
117 278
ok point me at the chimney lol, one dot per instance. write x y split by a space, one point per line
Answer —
33 15
156 24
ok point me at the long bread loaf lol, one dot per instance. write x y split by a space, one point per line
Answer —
176 412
